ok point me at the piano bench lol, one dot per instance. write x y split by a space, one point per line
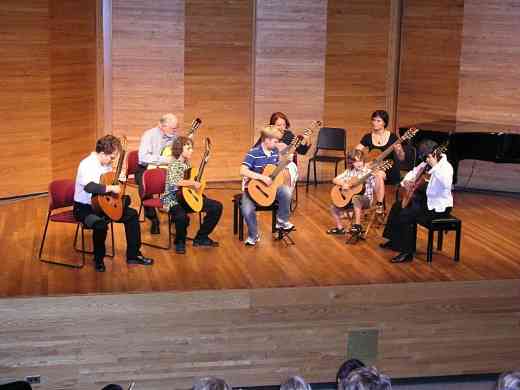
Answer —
442 225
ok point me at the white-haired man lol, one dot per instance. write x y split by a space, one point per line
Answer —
153 142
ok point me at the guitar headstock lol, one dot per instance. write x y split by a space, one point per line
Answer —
124 143
307 132
384 165
440 149
409 134
197 122
207 148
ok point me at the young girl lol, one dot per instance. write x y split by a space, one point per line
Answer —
359 201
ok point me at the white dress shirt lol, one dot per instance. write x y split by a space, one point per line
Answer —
90 170
438 191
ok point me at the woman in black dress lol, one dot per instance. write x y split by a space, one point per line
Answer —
381 138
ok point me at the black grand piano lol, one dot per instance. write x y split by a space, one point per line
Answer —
471 140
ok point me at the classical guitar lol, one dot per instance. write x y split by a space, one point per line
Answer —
192 197
341 196
265 195
376 156
112 204
167 150
406 194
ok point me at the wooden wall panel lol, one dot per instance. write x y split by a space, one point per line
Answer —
430 52
25 166
259 337
218 80
356 64
290 63
147 64
489 78
73 83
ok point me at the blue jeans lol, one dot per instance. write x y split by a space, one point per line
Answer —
248 208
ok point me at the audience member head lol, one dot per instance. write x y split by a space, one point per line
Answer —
112 386
295 383
380 115
280 120
365 378
169 123
346 368
509 381
211 383
180 147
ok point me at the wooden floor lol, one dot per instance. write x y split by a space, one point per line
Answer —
490 248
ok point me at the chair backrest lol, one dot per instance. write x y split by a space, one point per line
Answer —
15 385
61 194
154 182
332 138
132 162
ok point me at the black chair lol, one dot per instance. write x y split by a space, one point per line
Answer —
238 218
333 139
442 225
15 385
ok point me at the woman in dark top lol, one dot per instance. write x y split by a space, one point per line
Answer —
380 138
280 120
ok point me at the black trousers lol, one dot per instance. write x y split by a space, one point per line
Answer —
400 224
85 214
213 211
149 212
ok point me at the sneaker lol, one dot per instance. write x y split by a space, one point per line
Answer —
155 227
356 229
99 265
284 225
252 241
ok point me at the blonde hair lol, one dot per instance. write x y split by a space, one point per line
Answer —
270 131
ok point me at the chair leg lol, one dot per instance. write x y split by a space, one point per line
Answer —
415 238
458 234
240 225
315 175
40 258
440 238
273 220
429 252
294 200
141 213
336 169
235 217
308 175
169 238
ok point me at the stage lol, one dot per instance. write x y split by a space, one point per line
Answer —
489 251
229 311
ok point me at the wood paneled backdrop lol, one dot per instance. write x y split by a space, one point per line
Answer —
233 63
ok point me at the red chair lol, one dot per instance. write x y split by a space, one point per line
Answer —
154 181
61 195
132 163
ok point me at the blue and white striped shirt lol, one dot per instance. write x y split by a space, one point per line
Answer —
257 158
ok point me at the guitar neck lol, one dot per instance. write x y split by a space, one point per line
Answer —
119 167
387 151
283 160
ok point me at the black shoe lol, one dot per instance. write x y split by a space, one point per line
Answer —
403 257
155 229
204 241
180 248
387 245
99 265
141 260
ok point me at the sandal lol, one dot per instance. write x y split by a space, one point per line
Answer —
336 231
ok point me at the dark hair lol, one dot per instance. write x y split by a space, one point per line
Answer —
108 144
211 383
381 114
347 367
178 145
365 378
425 147
279 115
112 387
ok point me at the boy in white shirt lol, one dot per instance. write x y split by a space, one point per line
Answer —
435 201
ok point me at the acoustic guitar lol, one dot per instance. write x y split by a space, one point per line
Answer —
341 196
265 195
111 204
406 194
376 156
167 150
191 196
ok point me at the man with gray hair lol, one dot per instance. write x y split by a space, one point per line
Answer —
295 383
153 143
509 381
365 378
211 383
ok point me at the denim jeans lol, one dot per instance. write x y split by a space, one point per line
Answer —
248 208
